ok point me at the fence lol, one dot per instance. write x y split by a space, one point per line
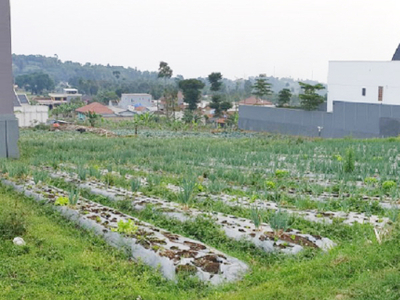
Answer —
359 120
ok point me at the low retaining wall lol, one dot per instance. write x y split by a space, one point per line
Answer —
359 120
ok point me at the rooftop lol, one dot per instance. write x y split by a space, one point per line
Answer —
95 107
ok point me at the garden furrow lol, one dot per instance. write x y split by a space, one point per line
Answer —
156 247
290 241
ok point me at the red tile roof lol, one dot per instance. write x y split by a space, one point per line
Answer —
254 101
95 107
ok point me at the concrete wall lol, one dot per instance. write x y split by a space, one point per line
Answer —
347 119
346 79
31 115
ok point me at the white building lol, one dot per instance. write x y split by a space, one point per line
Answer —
375 82
135 100
67 95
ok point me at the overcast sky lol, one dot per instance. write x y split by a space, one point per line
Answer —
282 38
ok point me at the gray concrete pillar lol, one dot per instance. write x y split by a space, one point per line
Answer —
9 132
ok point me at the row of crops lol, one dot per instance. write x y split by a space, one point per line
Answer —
213 206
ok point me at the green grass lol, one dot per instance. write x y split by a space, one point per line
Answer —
61 261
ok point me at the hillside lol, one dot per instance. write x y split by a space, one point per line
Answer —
93 78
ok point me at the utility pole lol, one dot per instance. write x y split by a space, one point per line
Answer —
9 132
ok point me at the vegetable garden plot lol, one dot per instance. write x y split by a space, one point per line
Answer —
263 236
156 247
116 193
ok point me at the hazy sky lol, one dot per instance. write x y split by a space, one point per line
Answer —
238 38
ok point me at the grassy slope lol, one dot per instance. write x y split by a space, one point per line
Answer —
61 261
64 262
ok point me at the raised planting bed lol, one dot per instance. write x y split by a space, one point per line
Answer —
158 248
236 228
348 218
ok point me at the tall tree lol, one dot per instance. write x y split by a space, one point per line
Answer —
262 87
218 103
284 97
165 72
310 100
191 89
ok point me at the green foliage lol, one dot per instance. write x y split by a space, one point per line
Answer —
164 71
82 173
349 161
35 82
270 185
281 173
66 109
279 221
261 87
186 194
12 221
135 184
61 201
388 185
73 197
338 157
191 89
310 100
92 117
256 217
40 176
284 97
371 180
128 228
215 81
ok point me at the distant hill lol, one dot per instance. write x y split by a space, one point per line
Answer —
121 79
65 71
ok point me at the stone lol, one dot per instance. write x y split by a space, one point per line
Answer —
19 241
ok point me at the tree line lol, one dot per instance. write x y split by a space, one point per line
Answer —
40 74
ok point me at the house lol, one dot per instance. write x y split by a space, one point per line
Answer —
255 101
66 96
145 100
122 112
97 108
375 82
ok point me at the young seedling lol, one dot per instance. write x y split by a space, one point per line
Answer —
73 197
279 222
185 196
256 218
135 185
127 228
